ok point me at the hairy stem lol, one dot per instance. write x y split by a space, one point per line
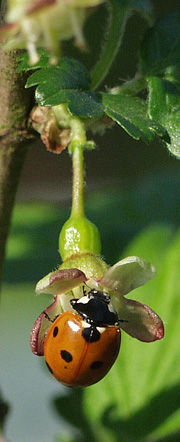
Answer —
131 87
78 167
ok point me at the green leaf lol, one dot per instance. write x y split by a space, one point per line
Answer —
164 107
161 46
131 113
139 400
119 11
173 74
24 65
68 82
68 73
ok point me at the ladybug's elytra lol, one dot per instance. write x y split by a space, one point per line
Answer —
81 348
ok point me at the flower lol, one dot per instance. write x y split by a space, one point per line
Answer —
43 23
66 283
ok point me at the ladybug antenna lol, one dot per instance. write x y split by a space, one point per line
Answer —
122 320
84 291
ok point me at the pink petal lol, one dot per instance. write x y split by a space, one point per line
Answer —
41 327
8 30
142 322
60 281
36 339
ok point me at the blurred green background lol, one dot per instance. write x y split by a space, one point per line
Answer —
133 196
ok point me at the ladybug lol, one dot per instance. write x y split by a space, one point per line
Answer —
81 346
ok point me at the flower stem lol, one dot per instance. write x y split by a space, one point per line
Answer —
118 17
78 183
77 150
78 236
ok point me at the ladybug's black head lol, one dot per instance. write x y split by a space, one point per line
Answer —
97 294
94 308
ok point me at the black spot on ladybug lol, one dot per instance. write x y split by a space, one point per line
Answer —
55 331
49 368
66 356
91 334
96 365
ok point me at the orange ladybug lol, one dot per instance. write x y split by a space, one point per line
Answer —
80 348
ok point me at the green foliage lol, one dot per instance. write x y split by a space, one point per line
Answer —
69 82
119 11
160 64
131 113
159 74
164 107
160 68
161 46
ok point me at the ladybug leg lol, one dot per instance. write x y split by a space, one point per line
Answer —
57 317
121 320
49 319
84 291
73 302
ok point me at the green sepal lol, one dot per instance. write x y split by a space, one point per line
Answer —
79 236
92 266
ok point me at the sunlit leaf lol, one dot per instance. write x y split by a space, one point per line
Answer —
164 107
131 113
68 82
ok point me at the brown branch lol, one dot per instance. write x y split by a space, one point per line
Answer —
15 104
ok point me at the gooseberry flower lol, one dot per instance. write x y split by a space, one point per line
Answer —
138 320
84 272
44 23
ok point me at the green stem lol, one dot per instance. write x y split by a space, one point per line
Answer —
77 149
78 183
118 18
131 87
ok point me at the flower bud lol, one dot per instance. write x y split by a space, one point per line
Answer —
79 236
